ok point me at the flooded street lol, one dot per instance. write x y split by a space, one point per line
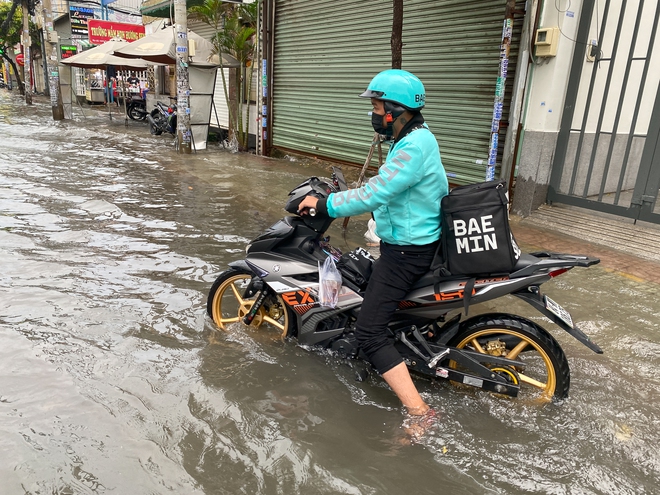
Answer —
113 380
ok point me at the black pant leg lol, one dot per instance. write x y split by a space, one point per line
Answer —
393 275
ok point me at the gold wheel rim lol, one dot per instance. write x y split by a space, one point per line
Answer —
546 386
229 307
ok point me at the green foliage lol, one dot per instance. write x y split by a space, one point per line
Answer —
211 12
235 26
10 29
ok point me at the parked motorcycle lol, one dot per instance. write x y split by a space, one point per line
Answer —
137 108
276 287
162 119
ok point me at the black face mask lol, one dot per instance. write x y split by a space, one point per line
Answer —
377 124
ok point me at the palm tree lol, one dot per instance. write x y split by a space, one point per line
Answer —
235 27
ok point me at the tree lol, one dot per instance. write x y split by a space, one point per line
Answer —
235 27
11 26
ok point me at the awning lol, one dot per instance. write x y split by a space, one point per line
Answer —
160 47
101 56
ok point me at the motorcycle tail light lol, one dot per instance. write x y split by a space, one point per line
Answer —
169 110
556 273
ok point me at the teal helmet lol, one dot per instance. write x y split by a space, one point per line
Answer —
399 87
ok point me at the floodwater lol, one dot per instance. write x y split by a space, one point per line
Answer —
112 379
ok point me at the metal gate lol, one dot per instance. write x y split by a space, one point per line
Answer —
608 148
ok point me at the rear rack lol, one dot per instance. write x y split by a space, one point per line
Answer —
545 261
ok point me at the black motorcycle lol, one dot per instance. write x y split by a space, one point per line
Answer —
277 285
137 108
162 119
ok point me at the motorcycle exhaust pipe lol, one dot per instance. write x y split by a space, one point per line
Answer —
151 120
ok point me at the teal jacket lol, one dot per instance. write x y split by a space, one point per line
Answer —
405 195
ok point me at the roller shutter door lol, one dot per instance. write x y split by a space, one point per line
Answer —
326 52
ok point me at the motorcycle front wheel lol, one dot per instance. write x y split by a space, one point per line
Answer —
155 127
226 305
546 374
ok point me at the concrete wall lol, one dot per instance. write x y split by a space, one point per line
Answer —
546 90
534 168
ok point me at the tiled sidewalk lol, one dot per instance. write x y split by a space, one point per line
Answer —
581 237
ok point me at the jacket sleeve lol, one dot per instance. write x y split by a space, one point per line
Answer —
402 169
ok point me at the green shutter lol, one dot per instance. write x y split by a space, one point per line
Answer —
326 52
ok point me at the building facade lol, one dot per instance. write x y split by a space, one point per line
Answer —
571 116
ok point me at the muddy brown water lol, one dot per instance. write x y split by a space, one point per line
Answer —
112 380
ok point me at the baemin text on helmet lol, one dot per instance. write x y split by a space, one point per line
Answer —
362 194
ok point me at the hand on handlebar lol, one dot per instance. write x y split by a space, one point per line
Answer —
308 206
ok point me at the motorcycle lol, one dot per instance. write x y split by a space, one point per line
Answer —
276 286
137 108
162 119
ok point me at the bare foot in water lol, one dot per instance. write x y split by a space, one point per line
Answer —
416 426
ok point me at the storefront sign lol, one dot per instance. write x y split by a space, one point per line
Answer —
67 51
102 31
79 17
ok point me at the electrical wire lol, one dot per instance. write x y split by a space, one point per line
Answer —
530 42
568 8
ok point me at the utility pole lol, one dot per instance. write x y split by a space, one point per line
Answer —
182 77
27 71
396 41
50 54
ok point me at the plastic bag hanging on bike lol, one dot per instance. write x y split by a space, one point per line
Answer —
329 283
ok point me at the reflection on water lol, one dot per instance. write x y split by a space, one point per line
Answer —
114 381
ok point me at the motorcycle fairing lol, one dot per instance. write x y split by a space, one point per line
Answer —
315 322
425 302
289 237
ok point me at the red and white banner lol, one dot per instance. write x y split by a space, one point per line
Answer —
102 31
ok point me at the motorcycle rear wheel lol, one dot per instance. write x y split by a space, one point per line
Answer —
546 374
226 305
135 112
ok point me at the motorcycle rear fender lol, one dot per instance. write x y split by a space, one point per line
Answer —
535 299
449 329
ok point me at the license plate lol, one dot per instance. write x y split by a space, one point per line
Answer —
558 311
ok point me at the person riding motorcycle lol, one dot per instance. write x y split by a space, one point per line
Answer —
405 200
